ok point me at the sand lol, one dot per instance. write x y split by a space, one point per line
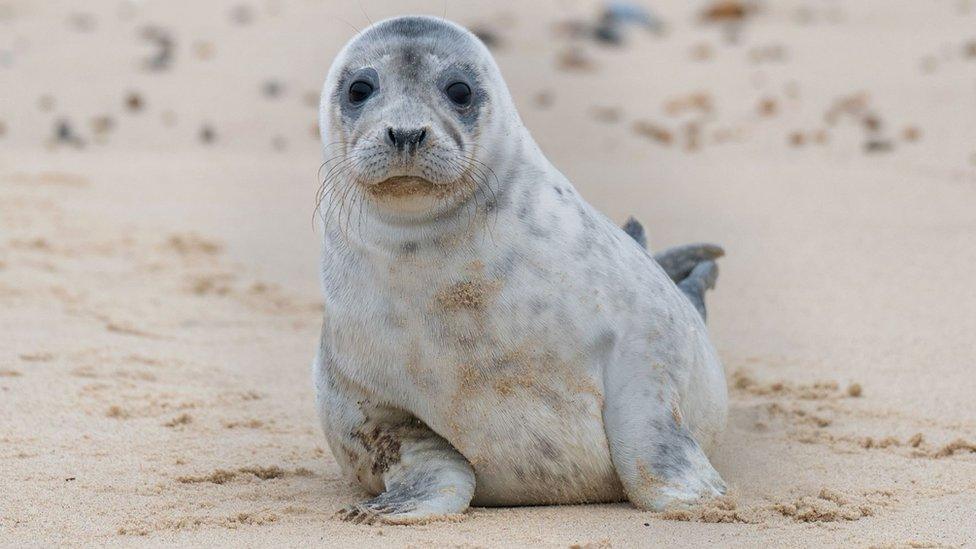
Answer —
159 306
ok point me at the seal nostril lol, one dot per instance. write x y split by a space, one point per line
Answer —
423 134
391 135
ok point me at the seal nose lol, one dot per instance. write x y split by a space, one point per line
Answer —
403 139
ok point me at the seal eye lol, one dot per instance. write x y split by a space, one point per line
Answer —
459 93
360 91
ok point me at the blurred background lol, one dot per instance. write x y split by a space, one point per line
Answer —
159 302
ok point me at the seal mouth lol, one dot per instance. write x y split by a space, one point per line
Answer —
406 186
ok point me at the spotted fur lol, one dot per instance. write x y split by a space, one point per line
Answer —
490 338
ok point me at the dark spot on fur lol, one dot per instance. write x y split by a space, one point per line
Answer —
547 448
382 444
410 247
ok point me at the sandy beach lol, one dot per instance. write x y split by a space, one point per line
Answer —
160 309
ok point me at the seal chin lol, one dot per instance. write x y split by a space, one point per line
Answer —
412 197
401 187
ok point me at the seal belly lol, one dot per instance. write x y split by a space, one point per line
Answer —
532 436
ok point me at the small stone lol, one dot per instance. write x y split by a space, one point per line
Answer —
242 14
608 33
574 59
207 134
134 102
797 139
969 50
872 122
64 133
102 124
768 107
726 11
653 131
544 99
855 390
912 134
161 39
272 89
878 145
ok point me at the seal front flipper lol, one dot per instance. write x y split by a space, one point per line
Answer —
416 475
657 458
430 481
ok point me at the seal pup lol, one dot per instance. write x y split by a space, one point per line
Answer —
489 337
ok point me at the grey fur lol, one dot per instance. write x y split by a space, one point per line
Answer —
489 337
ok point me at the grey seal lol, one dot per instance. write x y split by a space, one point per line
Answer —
489 337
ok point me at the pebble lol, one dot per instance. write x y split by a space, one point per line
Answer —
207 134
653 131
969 50
134 102
242 14
878 146
64 133
272 89
872 122
768 107
797 139
102 124
574 58
726 11
163 41
544 99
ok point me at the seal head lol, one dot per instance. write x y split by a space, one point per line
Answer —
406 109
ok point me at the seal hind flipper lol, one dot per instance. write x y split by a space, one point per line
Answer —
678 262
635 230
701 279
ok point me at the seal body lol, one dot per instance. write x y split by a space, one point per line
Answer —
489 337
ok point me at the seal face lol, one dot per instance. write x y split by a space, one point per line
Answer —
407 103
489 337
